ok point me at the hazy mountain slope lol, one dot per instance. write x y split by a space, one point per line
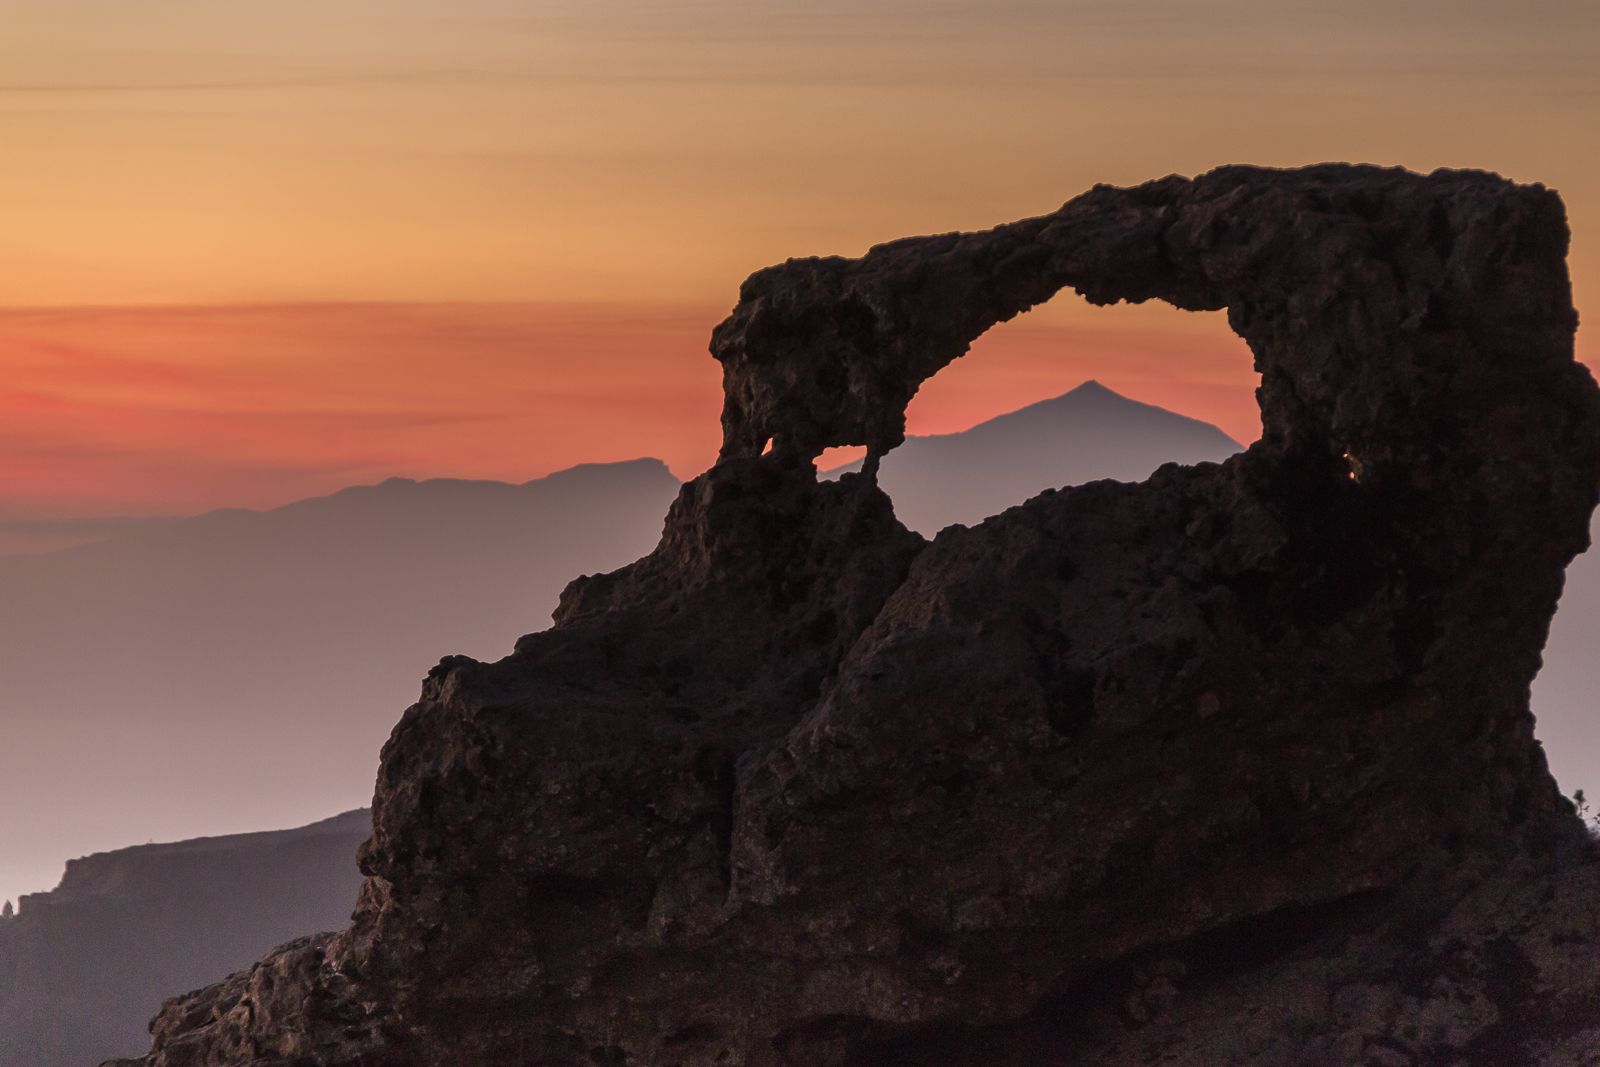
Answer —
80 967
1081 436
257 660
1566 693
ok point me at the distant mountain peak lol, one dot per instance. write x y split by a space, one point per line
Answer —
647 466
1098 400
1088 433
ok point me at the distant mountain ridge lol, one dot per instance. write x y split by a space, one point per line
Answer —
81 965
267 654
36 538
404 493
116 871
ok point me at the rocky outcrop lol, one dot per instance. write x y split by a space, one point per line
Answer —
81 965
1234 765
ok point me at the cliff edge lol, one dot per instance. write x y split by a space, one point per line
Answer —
82 965
1231 766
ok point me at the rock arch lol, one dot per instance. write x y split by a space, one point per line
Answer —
1357 289
1105 774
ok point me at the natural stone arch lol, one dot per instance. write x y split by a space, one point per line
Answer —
904 797
1061 395
1355 287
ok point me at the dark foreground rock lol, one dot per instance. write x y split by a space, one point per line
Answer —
1232 766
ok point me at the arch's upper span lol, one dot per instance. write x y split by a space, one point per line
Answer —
1353 285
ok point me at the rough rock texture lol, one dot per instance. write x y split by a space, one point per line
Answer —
1231 766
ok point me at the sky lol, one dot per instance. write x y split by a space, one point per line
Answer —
256 251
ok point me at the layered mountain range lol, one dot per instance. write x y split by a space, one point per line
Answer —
129 928
257 658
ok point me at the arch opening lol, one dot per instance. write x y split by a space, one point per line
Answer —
1063 394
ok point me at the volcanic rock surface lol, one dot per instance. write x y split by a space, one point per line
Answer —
1231 766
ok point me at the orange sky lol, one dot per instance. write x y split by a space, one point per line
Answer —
257 251
171 408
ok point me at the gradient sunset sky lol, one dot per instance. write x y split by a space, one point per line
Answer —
253 251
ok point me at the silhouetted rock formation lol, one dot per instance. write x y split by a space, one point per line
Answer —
81 965
1233 766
